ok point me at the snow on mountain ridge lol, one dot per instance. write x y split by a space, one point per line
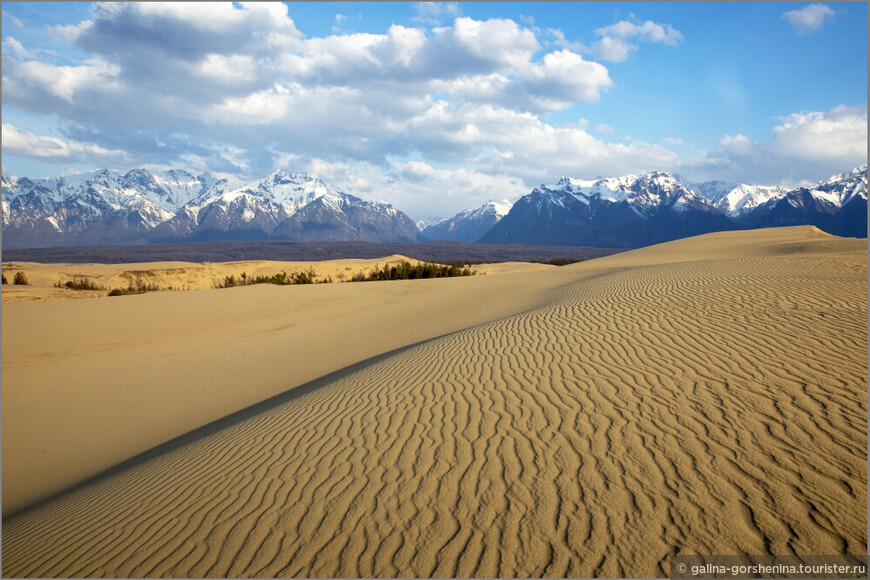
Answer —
644 190
469 224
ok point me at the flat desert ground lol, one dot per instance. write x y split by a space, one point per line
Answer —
704 396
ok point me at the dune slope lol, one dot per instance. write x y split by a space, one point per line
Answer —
704 396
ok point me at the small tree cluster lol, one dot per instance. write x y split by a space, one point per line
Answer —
5 281
20 279
139 286
79 283
407 271
280 279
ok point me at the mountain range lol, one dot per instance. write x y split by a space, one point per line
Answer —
108 207
638 210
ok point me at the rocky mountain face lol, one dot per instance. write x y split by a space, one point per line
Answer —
108 207
469 225
638 210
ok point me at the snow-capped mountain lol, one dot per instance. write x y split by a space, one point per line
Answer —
736 199
469 225
843 188
105 207
637 210
626 211
837 205
428 221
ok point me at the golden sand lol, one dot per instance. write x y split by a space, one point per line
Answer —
703 396
179 276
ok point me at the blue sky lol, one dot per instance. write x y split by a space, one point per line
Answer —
437 107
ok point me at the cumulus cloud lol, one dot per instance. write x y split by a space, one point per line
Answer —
808 19
620 40
617 42
839 135
738 144
34 83
54 149
802 147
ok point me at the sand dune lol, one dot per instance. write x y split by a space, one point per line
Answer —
703 396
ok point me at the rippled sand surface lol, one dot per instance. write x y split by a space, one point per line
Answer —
703 396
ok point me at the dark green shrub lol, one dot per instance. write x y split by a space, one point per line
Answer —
405 271
139 287
79 283
20 279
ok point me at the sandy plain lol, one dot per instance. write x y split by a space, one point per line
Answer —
703 396
181 276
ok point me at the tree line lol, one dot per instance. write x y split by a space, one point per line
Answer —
279 279
407 271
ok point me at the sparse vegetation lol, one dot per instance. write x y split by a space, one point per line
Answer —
139 286
5 281
407 271
79 283
20 279
280 279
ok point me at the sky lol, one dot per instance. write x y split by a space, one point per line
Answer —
437 107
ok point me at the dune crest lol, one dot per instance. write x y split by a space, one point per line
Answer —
702 396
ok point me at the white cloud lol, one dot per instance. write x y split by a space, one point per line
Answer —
54 149
29 80
12 20
71 32
613 49
496 40
559 36
603 128
339 19
808 19
415 171
802 147
435 12
10 44
427 190
648 31
620 40
210 17
838 135
738 144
